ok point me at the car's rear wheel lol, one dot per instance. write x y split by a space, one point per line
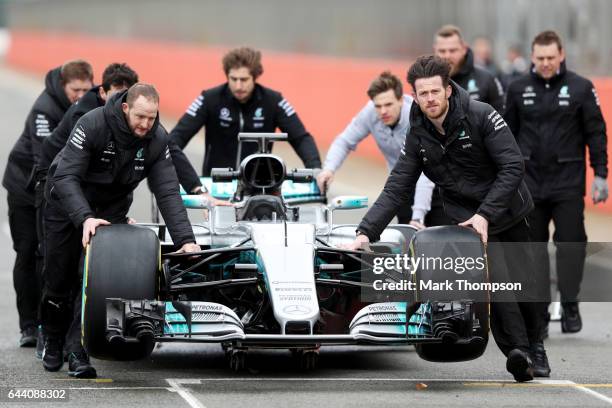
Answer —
122 261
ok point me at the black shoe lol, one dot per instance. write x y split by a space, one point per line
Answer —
570 318
519 365
40 344
28 337
79 366
53 358
540 360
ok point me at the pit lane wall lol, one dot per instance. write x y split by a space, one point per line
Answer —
325 91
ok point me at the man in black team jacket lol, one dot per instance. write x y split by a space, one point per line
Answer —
63 86
554 114
90 184
465 148
479 83
242 105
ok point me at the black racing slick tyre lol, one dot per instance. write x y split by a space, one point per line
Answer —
122 261
453 241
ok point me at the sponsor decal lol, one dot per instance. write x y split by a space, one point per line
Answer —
206 308
528 92
296 309
108 152
42 126
497 120
195 106
224 114
463 135
286 106
139 159
596 96
384 308
258 115
78 137
471 86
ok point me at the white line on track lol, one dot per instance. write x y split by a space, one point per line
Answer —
176 386
579 387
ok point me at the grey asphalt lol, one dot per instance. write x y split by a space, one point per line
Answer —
198 375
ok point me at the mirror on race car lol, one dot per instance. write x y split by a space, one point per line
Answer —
348 202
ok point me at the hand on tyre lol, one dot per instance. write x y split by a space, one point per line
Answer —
89 228
480 225
599 190
324 180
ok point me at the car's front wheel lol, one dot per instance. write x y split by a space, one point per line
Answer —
122 261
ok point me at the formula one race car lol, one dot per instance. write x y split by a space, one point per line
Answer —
270 274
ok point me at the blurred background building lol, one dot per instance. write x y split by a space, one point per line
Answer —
397 29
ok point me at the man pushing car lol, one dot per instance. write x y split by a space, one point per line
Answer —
90 184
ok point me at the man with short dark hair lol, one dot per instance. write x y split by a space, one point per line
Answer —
90 184
554 114
466 149
63 86
242 105
387 118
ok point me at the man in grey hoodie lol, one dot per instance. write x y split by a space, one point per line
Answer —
387 118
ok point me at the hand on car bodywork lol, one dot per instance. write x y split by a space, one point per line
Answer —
324 180
189 247
214 202
361 242
480 225
89 228
417 224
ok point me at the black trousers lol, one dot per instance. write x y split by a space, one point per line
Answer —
570 241
514 324
28 262
62 272
436 216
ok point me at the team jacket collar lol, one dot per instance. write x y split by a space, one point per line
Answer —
557 77
257 95
113 113
467 67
